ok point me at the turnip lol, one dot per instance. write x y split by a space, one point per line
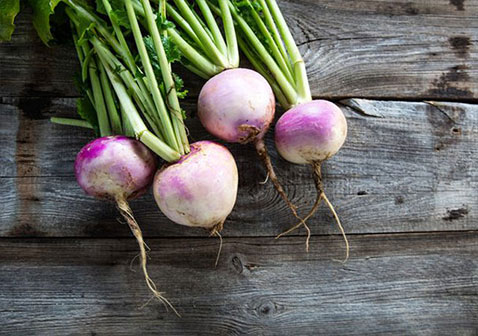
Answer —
310 131
200 189
117 168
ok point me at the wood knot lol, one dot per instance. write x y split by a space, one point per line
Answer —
237 263
266 308
455 214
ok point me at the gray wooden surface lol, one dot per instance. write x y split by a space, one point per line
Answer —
405 184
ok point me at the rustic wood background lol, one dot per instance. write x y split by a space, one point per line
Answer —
405 185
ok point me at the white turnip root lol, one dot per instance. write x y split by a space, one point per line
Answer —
238 106
311 133
200 189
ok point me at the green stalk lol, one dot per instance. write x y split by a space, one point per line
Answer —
288 90
141 97
157 98
99 101
129 109
127 128
96 95
230 32
209 46
184 25
275 33
110 102
200 62
71 122
212 25
172 98
79 50
128 57
120 36
274 48
300 72
198 72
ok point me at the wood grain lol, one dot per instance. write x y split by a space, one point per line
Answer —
413 284
405 167
371 48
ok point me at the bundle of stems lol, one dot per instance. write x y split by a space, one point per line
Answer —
128 87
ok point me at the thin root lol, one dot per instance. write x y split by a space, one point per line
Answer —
265 181
331 207
220 248
216 231
127 214
262 151
320 194
132 261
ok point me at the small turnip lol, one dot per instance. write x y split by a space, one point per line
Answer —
311 133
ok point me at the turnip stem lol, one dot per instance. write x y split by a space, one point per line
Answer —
172 98
184 25
209 46
153 84
110 103
137 124
296 58
287 89
96 94
71 122
212 25
200 62
99 102
120 36
230 32
275 33
281 62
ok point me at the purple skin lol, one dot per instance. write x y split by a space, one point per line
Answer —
200 189
115 168
311 132
235 98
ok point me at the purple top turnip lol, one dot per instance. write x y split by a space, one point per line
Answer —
115 168
200 189
237 104
311 132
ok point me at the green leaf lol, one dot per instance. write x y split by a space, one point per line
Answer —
181 92
87 112
172 51
163 23
100 7
120 17
8 10
246 9
118 12
42 9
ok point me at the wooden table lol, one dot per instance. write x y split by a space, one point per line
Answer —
405 185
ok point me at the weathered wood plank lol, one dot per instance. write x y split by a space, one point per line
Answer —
369 48
405 167
413 284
